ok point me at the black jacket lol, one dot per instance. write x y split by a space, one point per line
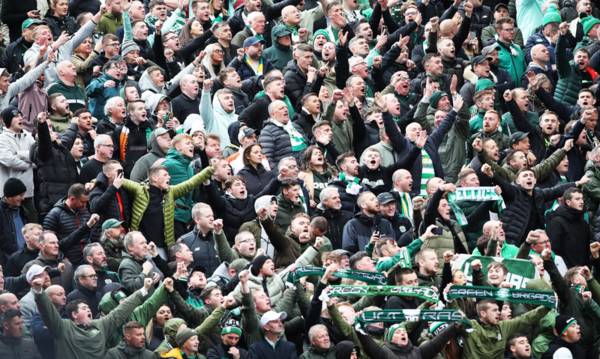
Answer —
130 150
17 261
296 85
256 114
236 212
104 201
8 237
14 13
336 219
283 350
91 297
12 59
76 7
519 208
222 352
183 106
58 25
570 236
204 250
256 178
70 228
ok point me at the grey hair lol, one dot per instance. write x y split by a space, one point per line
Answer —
199 208
111 103
129 238
101 140
312 332
89 248
272 105
80 271
327 192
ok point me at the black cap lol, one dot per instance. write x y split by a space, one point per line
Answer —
499 5
385 198
14 187
479 59
562 323
517 136
8 114
257 264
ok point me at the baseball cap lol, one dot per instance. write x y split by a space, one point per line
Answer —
385 197
34 271
479 59
111 223
30 22
499 5
246 132
251 41
270 316
517 136
486 51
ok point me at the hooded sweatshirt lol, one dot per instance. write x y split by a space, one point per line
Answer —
277 54
140 170
216 119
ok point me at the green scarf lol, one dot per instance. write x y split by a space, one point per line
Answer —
367 277
423 293
523 296
475 194
410 315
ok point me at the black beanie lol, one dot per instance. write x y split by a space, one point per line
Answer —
257 264
8 114
14 187
562 323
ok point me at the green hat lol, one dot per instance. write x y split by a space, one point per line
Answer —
435 98
551 16
588 22
435 328
171 327
231 330
484 84
29 22
321 32
390 333
111 223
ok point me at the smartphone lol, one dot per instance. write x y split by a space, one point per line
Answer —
437 231
120 172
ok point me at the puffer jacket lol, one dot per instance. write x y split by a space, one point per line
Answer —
130 272
15 159
204 249
275 142
141 198
70 228
519 206
570 79
180 171
103 200
512 59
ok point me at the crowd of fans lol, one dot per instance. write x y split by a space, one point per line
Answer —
325 179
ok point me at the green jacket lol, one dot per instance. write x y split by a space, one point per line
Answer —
569 75
74 342
286 211
591 190
180 171
278 55
253 227
226 253
508 124
541 170
314 353
512 59
386 263
487 341
109 23
452 150
130 272
141 198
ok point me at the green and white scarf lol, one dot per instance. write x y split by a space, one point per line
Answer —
423 293
367 277
298 141
428 171
523 296
475 194
410 315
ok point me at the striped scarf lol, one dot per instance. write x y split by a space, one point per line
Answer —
427 171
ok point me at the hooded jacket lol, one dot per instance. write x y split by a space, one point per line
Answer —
98 94
216 119
15 158
277 54
139 172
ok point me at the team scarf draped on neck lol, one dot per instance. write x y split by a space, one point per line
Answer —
523 296
424 293
367 277
475 194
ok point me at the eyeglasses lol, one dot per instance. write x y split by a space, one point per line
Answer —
93 276
219 51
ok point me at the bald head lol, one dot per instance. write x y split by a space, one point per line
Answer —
540 54
447 28
66 72
8 301
189 86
